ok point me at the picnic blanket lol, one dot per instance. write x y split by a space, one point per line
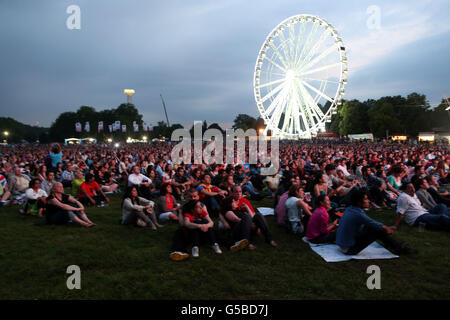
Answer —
332 253
266 211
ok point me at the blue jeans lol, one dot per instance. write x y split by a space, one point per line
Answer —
436 218
248 187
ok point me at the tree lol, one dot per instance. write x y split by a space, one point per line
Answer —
382 117
244 122
354 118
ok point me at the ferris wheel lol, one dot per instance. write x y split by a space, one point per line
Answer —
300 75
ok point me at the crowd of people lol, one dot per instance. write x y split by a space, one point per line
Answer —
322 191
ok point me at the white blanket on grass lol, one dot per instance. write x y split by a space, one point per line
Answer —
332 253
266 211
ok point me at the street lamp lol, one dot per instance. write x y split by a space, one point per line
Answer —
6 133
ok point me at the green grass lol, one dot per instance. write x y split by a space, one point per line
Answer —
120 262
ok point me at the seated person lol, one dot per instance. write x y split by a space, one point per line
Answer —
410 208
77 182
238 222
4 192
295 208
18 183
199 227
47 184
356 230
106 182
259 224
319 231
426 199
438 195
210 195
91 193
67 177
180 240
136 178
62 208
36 198
137 210
168 208
180 183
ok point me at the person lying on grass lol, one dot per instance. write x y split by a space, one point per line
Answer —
62 208
199 227
138 210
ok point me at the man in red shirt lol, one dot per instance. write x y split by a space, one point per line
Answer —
257 218
91 193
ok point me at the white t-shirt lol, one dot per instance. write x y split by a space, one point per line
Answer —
293 212
137 179
32 195
410 208
344 170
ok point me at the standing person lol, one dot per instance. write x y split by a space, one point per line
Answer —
356 230
319 230
55 155
62 208
138 210
199 227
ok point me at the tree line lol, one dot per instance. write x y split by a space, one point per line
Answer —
388 115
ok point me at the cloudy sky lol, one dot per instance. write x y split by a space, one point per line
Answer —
200 54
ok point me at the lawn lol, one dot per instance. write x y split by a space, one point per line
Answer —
121 262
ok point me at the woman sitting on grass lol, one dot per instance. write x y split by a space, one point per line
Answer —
36 198
167 205
62 208
238 222
199 227
319 231
138 210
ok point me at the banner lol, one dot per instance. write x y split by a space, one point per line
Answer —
117 125
78 127
150 127
124 128
100 126
144 126
87 128
135 126
110 127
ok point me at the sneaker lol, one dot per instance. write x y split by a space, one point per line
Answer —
216 248
178 256
241 244
195 252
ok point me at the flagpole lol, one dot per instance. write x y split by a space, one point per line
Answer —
164 105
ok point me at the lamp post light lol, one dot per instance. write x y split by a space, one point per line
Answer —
6 134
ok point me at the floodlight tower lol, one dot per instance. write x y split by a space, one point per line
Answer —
129 93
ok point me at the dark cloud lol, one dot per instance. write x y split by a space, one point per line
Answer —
199 54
